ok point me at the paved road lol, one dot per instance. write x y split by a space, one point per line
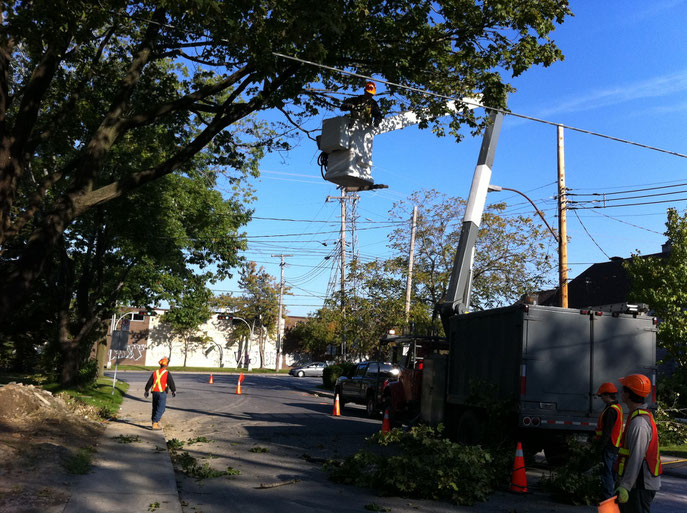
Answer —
281 414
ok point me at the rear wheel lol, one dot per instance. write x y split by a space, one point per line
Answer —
557 449
469 428
371 406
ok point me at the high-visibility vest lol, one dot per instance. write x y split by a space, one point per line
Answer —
617 432
653 454
160 380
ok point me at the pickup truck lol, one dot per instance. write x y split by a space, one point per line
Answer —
366 385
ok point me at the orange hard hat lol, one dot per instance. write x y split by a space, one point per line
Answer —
371 88
607 388
164 362
638 383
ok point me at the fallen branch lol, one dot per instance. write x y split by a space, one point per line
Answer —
274 485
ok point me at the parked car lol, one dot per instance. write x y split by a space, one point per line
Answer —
366 385
312 369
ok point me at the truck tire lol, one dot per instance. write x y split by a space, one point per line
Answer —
556 450
469 428
371 409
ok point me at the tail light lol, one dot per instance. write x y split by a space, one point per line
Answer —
384 385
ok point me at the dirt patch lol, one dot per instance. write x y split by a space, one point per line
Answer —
39 432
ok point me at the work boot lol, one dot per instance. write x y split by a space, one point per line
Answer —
156 425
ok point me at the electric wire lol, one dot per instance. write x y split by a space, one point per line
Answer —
590 236
436 95
624 222
468 102
627 191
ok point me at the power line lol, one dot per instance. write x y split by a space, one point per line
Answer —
624 222
626 191
590 235
627 204
430 93
605 199
503 111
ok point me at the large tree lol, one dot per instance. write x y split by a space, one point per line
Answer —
511 252
662 284
78 80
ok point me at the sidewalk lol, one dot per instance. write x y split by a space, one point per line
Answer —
136 476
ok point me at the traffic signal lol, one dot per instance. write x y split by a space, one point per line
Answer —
147 312
225 317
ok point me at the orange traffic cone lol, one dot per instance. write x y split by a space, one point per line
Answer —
609 506
519 478
238 385
211 381
337 408
386 423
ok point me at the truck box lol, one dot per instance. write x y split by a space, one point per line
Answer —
549 360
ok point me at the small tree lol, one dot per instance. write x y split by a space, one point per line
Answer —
260 306
186 316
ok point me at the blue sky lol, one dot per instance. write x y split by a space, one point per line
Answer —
624 75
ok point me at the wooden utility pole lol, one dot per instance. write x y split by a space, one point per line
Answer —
411 255
562 223
342 199
277 365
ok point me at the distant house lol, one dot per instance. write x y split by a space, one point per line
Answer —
602 286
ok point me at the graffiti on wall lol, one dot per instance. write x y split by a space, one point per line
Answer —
132 352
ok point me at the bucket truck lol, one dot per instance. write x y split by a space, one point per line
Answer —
545 362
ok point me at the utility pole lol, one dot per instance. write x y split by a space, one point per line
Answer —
343 199
411 256
277 365
562 223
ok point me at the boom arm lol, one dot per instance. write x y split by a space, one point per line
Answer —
458 294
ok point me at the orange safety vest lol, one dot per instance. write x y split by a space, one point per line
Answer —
617 432
653 454
160 380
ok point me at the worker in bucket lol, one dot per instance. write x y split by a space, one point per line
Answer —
609 430
364 107
160 381
639 458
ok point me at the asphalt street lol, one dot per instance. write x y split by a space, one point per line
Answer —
278 432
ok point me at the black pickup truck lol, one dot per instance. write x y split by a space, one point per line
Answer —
366 385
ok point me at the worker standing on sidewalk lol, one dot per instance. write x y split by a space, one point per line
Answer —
609 430
160 380
639 462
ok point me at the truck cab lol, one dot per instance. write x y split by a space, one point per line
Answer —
402 397
366 385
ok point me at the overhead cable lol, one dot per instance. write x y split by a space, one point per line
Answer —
468 102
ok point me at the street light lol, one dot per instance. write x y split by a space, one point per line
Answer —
113 327
498 188
231 317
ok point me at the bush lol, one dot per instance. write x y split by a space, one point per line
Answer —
421 463
333 372
670 432
578 481
88 373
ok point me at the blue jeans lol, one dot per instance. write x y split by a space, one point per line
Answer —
610 454
159 403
